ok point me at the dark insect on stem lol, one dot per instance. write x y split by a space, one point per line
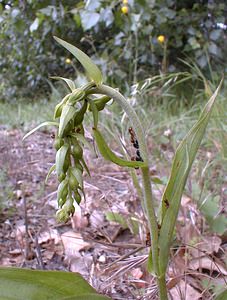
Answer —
166 203
133 158
139 158
148 239
133 137
135 143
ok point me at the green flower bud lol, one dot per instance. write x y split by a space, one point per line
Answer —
73 182
63 190
101 102
77 197
76 96
58 143
61 177
77 151
61 202
62 215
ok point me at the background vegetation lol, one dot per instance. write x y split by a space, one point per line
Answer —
123 43
166 56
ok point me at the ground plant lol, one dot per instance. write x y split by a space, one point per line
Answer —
70 165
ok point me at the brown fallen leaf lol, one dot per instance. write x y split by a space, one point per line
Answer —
78 220
206 263
50 235
136 273
15 252
20 233
210 244
81 264
184 291
73 243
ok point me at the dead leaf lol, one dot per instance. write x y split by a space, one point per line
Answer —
81 264
20 233
136 273
50 235
73 243
15 252
184 291
78 220
210 244
206 263
48 255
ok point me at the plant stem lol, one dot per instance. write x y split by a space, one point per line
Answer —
152 219
162 288
120 99
147 190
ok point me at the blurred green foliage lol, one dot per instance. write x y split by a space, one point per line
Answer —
125 45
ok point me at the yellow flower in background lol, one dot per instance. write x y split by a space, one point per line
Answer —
124 9
68 61
161 39
125 1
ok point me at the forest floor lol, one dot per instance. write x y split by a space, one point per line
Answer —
110 254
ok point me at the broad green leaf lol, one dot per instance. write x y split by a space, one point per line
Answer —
69 82
23 284
183 159
48 123
219 224
88 297
116 217
107 153
222 296
68 113
51 170
210 206
92 70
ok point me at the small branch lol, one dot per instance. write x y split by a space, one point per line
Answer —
27 243
38 254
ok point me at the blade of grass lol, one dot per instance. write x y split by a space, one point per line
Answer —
184 157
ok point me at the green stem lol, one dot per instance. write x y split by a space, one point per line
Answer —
148 200
137 127
152 219
162 288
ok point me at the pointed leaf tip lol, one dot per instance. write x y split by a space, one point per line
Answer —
91 68
48 123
